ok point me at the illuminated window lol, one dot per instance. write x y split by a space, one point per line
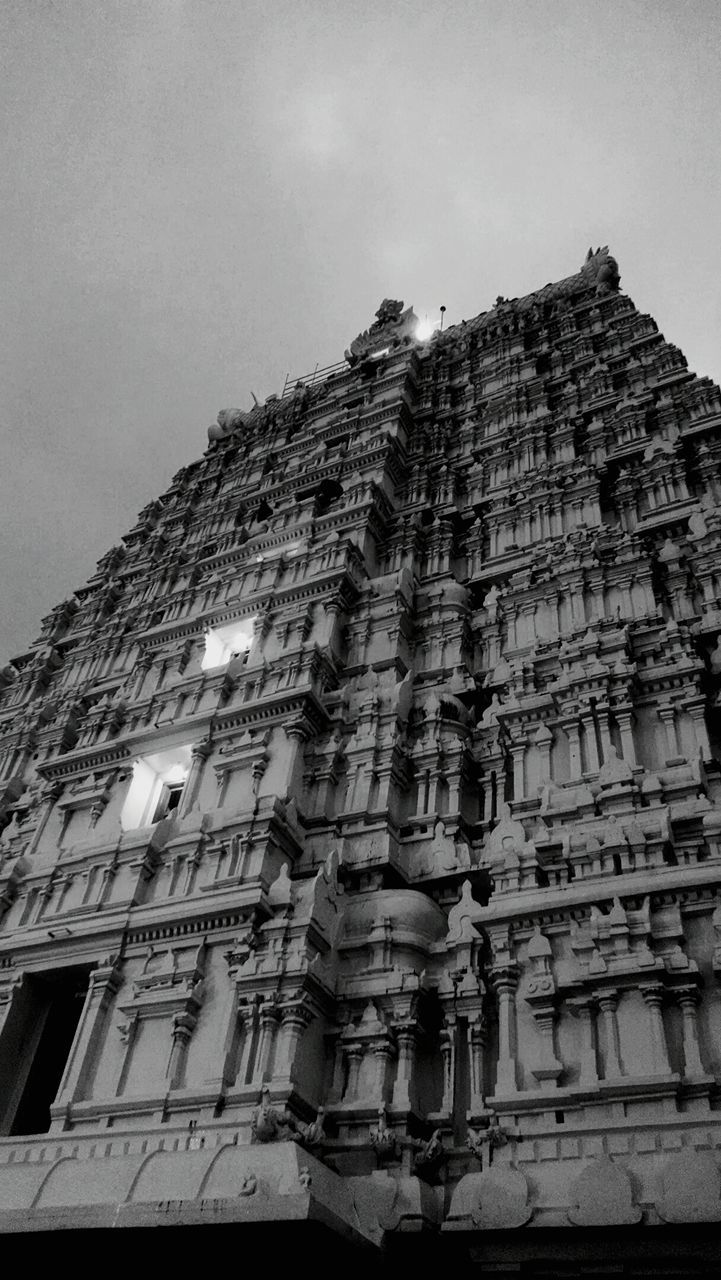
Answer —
157 787
222 644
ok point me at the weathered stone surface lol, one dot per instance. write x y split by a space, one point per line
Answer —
690 1188
602 1195
497 1199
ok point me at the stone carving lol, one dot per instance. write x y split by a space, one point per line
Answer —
495 1199
391 325
229 421
690 1188
463 916
311 1136
8 675
383 1139
280 893
376 1202
602 1196
604 269
268 1124
428 1156
613 770
483 1142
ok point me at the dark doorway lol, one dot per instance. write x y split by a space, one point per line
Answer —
38 1037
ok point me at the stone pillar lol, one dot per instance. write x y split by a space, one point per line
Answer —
667 715
269 1022
591 745
105 982
575 766
628 749
505 982
44 896
696 708
8 994
335 1042
354 1056
183 1028
578 613
402 1090
198 757
48 800
688 999
247 1016
142 670
604 731
548 1068
127 1031
477 1042
583 1009
448 1055
224 1068
608 1003
382 1052
653 994
518 751
294 1020
543 746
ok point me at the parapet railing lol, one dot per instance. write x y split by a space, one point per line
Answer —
310 379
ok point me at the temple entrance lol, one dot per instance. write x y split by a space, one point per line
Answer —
36 1043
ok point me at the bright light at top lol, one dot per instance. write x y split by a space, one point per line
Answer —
178 773
425 328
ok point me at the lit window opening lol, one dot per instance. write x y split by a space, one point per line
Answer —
157 788
222 644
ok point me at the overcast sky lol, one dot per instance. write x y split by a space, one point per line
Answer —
201 196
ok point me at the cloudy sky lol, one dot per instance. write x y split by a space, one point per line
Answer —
202 196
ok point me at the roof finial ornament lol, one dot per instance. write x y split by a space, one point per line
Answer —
601 268
391 327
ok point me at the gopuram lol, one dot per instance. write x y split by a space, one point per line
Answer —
360 867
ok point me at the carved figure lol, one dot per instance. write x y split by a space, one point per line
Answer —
391 323
229 421
313 1134
429 1154
383 1139
267 1125
481 1140
605 270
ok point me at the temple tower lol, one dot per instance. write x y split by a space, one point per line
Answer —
362 814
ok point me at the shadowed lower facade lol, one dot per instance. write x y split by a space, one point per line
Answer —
362 823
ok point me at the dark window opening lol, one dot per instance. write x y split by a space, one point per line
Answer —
169 800
37 1040
264 512
328 491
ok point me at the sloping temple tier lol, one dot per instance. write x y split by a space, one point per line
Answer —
361 820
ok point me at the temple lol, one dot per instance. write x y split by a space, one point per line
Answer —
361 821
